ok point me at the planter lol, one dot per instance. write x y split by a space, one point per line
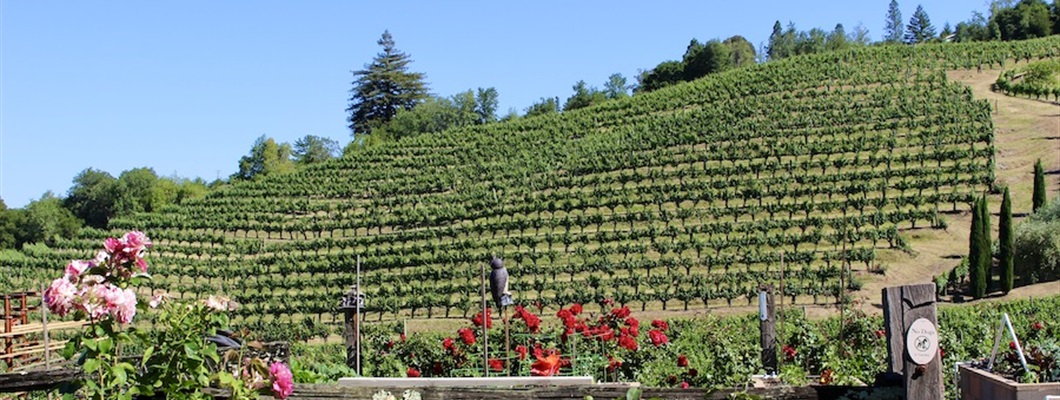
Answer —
977 384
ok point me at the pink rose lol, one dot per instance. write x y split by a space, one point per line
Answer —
135 241
121 304
76 267
93 301
60 295
282 381
112 245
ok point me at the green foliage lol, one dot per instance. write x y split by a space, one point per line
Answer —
9 223
616 87
1028 19
135 190
312 149
1038 197
986 248
266 158
92 197
1005 244
919 29
1037 245
893 29
584 96
46 221
543 107
382 88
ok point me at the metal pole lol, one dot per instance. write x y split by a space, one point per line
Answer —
485 321
507 345
357 316
780 312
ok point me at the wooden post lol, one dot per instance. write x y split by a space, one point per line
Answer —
767 316
357 319
909 315
353 340
485 333
44 328
780 310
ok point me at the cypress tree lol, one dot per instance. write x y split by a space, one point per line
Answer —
1004 236
976 282
1038 199
986 255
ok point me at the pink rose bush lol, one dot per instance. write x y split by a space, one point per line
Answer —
94 287
282 380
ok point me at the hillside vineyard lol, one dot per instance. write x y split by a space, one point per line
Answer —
683 197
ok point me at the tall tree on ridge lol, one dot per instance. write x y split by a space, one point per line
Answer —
1038 197
1005 239
893 28
382 88
312 149
920 29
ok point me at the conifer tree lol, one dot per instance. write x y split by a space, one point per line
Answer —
892 30
382 88
1038 198
919 29
1004 237
976 280
986 253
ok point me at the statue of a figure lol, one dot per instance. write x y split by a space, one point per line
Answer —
499 283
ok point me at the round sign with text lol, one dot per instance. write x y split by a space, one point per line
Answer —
922 341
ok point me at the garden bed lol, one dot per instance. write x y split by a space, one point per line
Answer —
978 384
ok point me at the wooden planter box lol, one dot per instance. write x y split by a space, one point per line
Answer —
977 384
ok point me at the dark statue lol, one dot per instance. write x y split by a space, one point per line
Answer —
499 283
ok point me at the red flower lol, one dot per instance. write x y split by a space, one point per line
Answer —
538 351
496 365
789 353
692 372
671 380
658 338
628 343
522 350
447 343
567 317
467 335
608 301
477 319
632 322
684 385
390 345
412 373
612 363
604 333
576 308
682 361
1038 326
881 333
403 338
546 366
620 313
1012 345
660 325
437 368
941 353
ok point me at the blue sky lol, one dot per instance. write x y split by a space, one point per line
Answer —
186 87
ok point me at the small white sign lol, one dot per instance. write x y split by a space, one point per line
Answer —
922 341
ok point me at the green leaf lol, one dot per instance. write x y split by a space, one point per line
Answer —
120 377
91 365
147 355
633 394
90 344
106 345
69 350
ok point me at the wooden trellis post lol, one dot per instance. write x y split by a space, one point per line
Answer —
912 339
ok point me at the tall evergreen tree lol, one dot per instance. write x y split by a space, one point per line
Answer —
986 248
919 29
1004 237
892 28
382 88
1038 198
976 277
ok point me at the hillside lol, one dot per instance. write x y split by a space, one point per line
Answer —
686 197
